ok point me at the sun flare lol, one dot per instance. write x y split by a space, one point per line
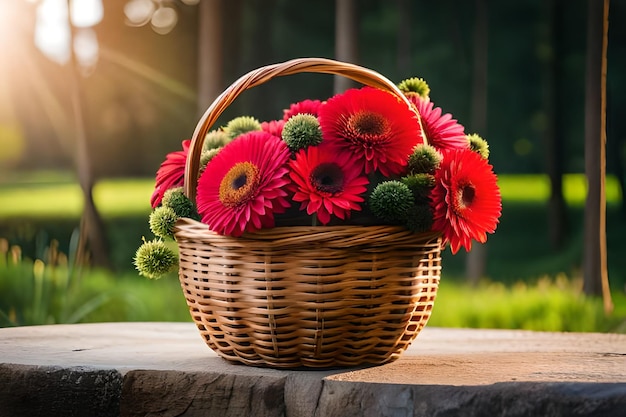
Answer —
12 16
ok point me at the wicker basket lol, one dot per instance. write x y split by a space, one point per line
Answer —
305 296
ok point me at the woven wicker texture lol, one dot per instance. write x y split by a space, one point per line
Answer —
305 296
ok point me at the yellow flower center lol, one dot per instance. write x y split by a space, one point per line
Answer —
239 184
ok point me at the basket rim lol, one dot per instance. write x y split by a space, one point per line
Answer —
340 235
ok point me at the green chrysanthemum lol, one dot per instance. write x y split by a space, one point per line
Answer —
478 144
176 199
420 185
206 157
240 125
154 259
391 201
419 218
162 220
415 86
301 131
215 139
425 159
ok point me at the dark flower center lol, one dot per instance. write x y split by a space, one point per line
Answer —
240 181
468 195
239 184
327 178
367 127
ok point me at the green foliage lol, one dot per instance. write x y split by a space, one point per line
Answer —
550 304
34 292
44 290
52 290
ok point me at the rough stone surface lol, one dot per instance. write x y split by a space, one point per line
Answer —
165 369
58 391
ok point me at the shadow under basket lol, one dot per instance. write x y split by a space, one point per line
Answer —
306 296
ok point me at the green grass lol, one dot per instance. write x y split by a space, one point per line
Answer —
548 304
38 292
536 189
50 291
117 198
114 198
34 292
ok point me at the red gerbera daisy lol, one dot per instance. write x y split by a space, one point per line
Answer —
442 131
305 106
243 186
274 127
327 181
466 199
171 173
380 130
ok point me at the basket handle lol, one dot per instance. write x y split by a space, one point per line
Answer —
261 75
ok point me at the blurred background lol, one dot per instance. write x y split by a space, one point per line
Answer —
94 93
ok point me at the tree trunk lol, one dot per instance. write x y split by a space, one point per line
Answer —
477 258
210 52
93 236
596 281
346 39
553 135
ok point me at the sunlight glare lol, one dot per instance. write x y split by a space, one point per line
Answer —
86 13
138 12
86 49
8 16
163 20
52 31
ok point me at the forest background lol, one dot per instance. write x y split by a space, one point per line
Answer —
142 98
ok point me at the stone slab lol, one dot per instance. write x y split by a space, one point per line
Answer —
165 369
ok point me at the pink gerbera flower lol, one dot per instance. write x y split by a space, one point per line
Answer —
244 185
442 131
171 173
466 199
373 125
327 181
305 106
274 127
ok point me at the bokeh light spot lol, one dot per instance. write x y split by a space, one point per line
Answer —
523 147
